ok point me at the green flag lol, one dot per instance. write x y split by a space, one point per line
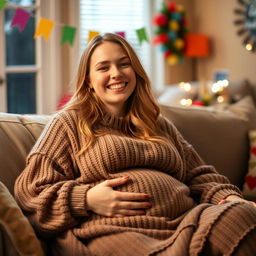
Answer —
142 35
2 4
68 34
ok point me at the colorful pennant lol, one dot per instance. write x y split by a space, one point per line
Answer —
2 4
20 19
142 35
68 34
121 33
44 28
92 34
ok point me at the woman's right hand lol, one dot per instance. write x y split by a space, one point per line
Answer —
104 200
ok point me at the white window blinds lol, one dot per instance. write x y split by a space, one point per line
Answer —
116 16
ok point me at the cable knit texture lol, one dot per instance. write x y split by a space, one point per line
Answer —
52 189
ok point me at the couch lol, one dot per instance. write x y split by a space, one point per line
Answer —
220 137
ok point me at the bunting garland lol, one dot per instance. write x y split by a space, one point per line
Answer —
45 27
2 4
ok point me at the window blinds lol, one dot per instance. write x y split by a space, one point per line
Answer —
115 16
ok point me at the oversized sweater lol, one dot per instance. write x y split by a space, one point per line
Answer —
52 189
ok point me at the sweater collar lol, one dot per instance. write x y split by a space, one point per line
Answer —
112 121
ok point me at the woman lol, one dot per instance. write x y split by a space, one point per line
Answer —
110 176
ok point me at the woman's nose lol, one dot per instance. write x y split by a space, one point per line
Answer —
115 72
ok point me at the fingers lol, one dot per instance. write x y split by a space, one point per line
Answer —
134 205
128 196
122 213
116 182
222 202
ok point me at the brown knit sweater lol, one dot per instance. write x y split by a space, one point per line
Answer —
52 188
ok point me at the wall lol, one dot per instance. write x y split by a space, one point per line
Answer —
215 18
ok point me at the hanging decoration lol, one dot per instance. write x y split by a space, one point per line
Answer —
20 19
68 34
2 4
142 35
246 23
171 28
45 27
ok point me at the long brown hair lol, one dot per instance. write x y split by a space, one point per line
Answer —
143 111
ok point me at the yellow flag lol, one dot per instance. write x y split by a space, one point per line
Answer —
44 28
92 34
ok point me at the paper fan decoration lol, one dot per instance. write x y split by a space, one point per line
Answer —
246 23
170 31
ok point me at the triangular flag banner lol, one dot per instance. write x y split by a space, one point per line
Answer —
2 4
44 28
68 34
121 33
92 34
142 35
20 19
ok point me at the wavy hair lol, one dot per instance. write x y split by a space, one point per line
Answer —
143 111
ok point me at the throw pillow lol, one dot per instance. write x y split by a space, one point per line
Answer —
241 88
219 136
249 188
17 225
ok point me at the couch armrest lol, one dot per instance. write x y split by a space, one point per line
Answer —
6 246
16 227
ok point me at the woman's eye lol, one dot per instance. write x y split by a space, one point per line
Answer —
103 68
125 64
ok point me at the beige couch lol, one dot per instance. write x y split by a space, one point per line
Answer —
220 137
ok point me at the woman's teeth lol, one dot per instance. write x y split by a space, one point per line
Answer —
116 86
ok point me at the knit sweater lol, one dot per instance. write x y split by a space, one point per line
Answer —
52 189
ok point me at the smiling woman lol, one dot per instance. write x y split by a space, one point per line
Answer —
112 76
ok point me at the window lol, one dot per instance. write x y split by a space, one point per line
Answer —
18 61
30 78
117 16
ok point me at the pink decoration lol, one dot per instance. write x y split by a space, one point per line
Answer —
122 34
198 103
167 53
160 39
251 181
160 20
63 101
253 150
171 7
20 19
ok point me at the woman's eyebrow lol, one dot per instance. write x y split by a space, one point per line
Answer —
107 61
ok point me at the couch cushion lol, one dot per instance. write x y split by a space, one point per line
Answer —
17 136
219 136
249 188
17 225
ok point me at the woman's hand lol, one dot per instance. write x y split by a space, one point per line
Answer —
236 198
104 200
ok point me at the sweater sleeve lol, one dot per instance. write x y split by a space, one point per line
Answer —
205 183
47 188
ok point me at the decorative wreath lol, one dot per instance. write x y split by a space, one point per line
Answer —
171 28
246 23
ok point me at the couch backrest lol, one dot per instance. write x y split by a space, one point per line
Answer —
219 136
18 134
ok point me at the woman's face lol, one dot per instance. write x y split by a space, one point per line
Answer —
112 76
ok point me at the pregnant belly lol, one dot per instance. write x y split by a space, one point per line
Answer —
169 197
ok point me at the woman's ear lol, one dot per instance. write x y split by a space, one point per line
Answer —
88 82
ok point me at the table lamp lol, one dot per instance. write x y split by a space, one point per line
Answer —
196 46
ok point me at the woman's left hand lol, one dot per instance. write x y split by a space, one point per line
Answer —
236 198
